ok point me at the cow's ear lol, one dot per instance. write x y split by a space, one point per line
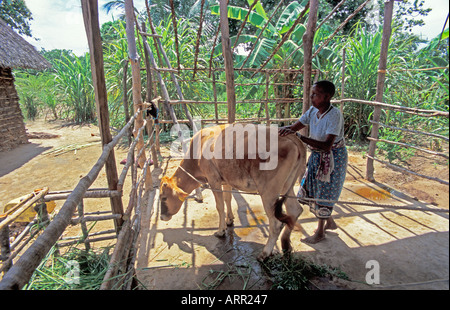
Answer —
182 195
165 180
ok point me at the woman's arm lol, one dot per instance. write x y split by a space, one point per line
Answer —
321 145
287 130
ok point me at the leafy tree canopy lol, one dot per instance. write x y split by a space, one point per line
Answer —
16 14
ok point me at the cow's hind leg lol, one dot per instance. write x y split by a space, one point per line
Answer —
227 197
275 225
293 210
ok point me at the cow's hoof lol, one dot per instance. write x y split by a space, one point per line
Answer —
262 257
286 246
220 234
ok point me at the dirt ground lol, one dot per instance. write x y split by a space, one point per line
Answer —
410 247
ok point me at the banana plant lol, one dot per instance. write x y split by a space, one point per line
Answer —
273 33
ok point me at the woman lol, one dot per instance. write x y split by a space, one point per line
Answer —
327 165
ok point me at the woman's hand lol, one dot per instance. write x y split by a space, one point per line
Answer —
284 131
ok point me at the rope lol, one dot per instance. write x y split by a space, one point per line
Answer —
366 204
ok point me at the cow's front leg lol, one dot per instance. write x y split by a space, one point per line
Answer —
227 197
218 196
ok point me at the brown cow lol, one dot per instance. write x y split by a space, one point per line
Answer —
236 156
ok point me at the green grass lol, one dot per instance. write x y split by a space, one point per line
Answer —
294 272
58 272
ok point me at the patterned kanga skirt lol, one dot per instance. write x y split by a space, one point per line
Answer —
314 188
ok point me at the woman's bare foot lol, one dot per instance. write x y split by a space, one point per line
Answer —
330 224
314 238
319 234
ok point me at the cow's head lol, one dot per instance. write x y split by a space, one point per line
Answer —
172 197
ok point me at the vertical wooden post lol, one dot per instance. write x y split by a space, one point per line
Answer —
84 230
388 9
136 77
228 60
125 98
90 16
216 110
5 249
343 80
266 104
308 38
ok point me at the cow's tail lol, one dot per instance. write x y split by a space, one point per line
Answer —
282 217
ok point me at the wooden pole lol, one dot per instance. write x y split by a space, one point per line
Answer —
216 111
91 23
125 96
84 230
135 75
308 38
388 8
266 104
5 248
343 80
228 60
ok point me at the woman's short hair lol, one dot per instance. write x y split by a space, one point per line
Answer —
326 86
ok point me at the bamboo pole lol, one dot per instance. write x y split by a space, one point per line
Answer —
308 38
143 33
90 16
174 22
212 51
409 146
94 234
84 230
228 61
343 80
84 219
414 131
135 75
5 247
125 96
89 194
401 169
122 240
199 34
88 240
388 9
149 121
409 110
266 104
216 111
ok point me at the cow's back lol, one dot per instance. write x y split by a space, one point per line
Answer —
249 157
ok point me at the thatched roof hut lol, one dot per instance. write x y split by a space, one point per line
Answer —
15 52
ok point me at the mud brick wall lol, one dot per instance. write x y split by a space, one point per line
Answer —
12 127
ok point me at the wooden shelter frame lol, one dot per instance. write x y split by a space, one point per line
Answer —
142 194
